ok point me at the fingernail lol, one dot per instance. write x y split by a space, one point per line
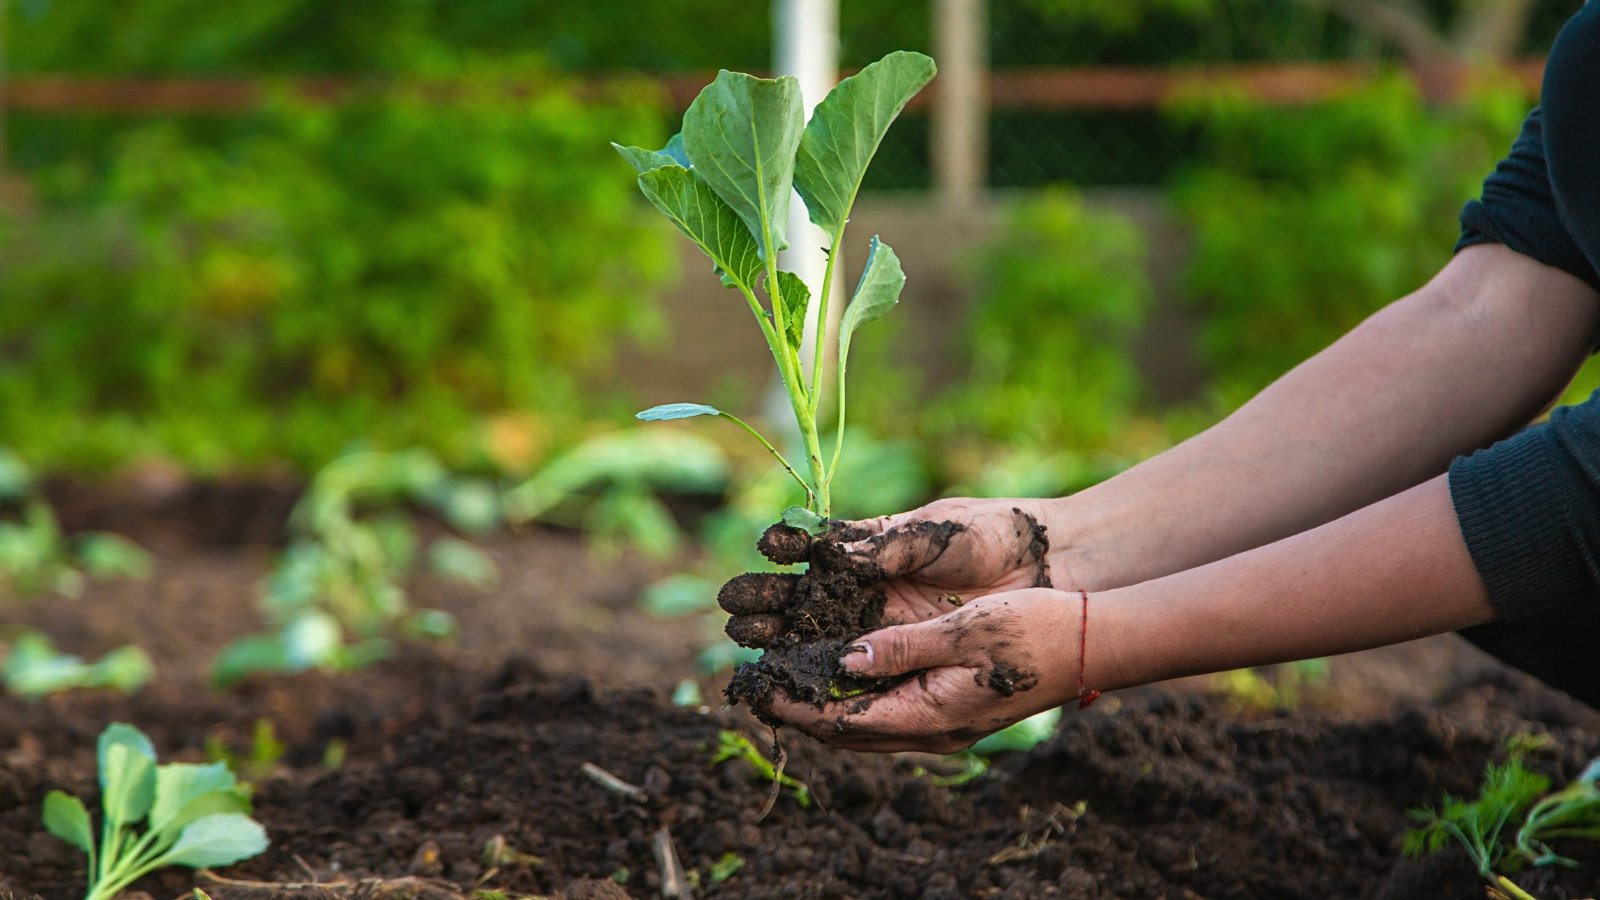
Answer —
857 657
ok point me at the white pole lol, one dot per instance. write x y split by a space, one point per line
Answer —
805 44
961 99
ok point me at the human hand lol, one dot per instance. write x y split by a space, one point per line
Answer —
993 662
926 562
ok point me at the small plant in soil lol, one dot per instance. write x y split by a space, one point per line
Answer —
337 596
1512 795
726 182
731 745
35 557
194 815
34 668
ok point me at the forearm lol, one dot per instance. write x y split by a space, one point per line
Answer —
1471 357
1390 572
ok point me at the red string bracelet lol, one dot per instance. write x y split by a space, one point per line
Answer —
1086 697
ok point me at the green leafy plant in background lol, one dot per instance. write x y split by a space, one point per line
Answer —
34 668
337 595
609 485
1282 686
1050 393
36 557
726 182
386 269
1511 796
194 815
1306 221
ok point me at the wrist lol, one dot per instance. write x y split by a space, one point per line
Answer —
1082 545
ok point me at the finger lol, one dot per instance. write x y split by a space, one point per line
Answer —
759 630
904 548
757 592
899 649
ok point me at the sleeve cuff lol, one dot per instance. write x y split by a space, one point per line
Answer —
1512 503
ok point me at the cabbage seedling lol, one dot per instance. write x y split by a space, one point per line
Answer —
726 181
194 815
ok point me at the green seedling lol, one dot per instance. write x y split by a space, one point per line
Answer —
337 596
194 815
34 668
258 760
1283 686
1017 737
726 867
1511 793
726 181
36 557
733 745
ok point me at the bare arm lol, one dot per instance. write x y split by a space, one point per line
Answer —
1390 572
1395 570
1472 356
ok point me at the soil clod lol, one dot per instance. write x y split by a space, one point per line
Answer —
784 544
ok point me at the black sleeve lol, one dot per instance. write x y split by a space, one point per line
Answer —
1529 508
1518 208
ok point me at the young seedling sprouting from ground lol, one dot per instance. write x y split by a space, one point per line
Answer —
1482 826
726 182
194 815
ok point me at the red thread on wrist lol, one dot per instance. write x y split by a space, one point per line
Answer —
1086 697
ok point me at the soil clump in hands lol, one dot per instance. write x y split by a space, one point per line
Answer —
803 623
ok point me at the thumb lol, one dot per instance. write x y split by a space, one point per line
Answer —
899 649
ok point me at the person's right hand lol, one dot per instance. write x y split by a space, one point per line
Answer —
927 562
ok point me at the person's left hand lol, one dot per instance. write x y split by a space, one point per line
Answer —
994 661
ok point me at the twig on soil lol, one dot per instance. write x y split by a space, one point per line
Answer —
779 760
674 883
614 784
1028 846
379 887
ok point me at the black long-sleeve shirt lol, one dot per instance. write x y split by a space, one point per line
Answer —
1529 507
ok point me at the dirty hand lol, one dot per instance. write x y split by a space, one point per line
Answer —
927 561
989 664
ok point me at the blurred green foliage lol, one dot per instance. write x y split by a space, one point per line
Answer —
1305 221
390 269
337 597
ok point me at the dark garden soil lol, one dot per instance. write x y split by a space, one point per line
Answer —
464 767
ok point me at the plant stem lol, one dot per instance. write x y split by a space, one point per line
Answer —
822 324
1510 887
810 495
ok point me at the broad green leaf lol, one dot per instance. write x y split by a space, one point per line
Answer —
233 800
741 134
707 220
126 669
846 129
249 655
431 623
312 639
1020 736
121 733
177 784
644 160
460 561
130 783
876 294
668 411
105 555
66 818
217 840
796 298
805 520
678 595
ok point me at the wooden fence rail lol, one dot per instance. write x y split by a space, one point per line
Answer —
1043 89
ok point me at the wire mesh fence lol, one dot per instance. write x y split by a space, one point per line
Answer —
1055 116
